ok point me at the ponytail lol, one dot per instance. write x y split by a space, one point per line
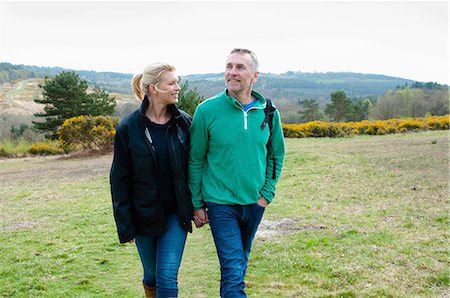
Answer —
137 87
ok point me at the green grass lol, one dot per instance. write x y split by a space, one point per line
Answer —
14 148
359 217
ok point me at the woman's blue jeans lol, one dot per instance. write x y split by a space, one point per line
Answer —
161 257
233 228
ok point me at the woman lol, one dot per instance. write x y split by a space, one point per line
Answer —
151 202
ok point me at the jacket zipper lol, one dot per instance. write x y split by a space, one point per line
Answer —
178 165
246 114
245 119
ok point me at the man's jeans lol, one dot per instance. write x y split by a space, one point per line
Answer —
233 228
161 257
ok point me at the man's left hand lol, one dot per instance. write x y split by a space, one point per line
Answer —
262 202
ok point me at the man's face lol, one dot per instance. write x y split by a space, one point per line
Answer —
239 73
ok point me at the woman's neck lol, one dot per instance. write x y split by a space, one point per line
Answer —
157 113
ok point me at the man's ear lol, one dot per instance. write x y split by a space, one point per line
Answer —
256 76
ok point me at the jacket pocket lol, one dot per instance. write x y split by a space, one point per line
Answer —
142 163
146 207
138 153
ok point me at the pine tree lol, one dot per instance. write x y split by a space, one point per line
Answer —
340 108
188 99
310 111
66 96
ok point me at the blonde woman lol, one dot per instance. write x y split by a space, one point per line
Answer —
151 202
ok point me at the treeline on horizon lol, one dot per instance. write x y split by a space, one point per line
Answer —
300 97
289 85
109 81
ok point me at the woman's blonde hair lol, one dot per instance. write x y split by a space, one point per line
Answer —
151 75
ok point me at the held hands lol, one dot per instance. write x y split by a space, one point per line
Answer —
200 218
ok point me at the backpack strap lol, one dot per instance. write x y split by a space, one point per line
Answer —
269 110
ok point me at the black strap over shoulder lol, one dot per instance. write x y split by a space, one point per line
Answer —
269 110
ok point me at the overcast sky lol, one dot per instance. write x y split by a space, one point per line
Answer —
407 39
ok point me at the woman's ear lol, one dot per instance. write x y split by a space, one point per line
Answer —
152 89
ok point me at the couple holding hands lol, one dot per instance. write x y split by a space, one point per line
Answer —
219 168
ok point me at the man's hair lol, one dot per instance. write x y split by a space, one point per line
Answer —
255 63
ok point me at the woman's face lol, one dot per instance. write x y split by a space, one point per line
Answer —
167 89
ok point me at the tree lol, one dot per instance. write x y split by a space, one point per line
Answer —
388 106
340 107
439 102
361 107
66 96
311 110
101 103
188 99
17 132
409 102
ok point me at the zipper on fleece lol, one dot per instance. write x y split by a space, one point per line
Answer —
245 119
246 114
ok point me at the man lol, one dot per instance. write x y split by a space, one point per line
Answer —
231 167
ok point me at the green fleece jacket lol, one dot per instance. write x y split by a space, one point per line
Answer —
228 161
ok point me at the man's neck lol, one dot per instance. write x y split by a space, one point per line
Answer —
243 97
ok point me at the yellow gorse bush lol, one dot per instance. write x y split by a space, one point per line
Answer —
93 133
46 148
365 127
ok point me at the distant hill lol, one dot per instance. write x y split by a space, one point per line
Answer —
299 85
110 81
289 85
19 85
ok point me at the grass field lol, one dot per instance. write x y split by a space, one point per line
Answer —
364 216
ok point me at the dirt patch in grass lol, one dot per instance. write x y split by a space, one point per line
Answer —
18 226
32 169
282 226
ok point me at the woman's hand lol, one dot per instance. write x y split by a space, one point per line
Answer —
200 218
